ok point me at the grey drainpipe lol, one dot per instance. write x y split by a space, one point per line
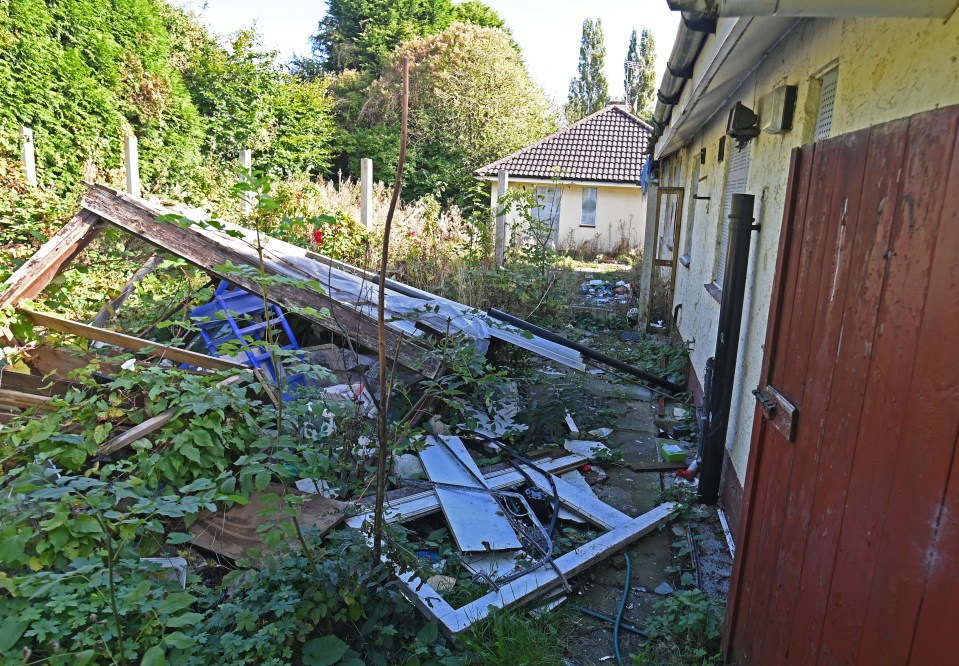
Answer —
727 346
819 8
689 42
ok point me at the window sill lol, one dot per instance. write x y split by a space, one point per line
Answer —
715 291
684 260
587 226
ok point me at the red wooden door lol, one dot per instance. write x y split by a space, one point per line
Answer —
849 537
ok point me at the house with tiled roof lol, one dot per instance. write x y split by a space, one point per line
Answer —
586 178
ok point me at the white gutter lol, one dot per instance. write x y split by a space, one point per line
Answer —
563 181
820 8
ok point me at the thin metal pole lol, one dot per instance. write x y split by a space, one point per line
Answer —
382 417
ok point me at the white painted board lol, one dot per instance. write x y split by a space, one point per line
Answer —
475 519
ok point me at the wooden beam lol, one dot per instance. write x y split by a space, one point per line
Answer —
59 361
109 311
129 342
136 432
210 251
149 426
19 381
37 271
22 400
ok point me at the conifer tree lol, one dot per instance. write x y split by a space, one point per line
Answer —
589 92
640 81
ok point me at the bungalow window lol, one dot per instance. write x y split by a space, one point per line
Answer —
588 216
735 184
547 205
827 100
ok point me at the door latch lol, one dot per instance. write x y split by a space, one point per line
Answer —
768 404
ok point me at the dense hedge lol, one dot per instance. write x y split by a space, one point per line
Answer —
85 73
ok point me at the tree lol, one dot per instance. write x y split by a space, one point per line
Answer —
472 101
589 92
640 81
359 34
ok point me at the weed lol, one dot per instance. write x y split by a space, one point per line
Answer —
513 638
685 631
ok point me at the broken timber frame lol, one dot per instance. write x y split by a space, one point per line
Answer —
129 342
202 250
623 530
210 254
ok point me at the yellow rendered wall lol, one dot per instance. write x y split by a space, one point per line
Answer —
620 218
888 69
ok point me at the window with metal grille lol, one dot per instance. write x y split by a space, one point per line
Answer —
827 100
735 184
588 216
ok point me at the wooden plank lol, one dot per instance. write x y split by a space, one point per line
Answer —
60 362
425 503
211 251
18 381
931 644
136 432
37 271
811 469
130 342
755 486
23 400
891 351
476 521
925 248
940 603
759 571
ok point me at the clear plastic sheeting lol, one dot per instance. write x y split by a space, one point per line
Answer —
407 309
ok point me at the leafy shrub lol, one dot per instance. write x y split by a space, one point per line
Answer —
686 630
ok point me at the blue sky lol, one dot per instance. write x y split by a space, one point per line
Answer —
548 30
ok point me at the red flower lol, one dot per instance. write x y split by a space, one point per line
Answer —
318 237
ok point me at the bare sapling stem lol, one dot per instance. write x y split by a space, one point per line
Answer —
382 462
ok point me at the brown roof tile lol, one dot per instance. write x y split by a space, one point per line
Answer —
607 146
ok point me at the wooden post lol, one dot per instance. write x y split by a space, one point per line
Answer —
246 161
366 193
27 155
132 157
502 183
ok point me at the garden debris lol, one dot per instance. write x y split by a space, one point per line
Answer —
664 589
571 425
586 448
630 336
577 479
601 292
176 567
602 433
476 520
441 583
407 466
492 565
234 531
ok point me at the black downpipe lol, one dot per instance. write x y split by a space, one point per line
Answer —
727 346
586 351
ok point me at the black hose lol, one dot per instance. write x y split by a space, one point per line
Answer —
586 351
532 465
